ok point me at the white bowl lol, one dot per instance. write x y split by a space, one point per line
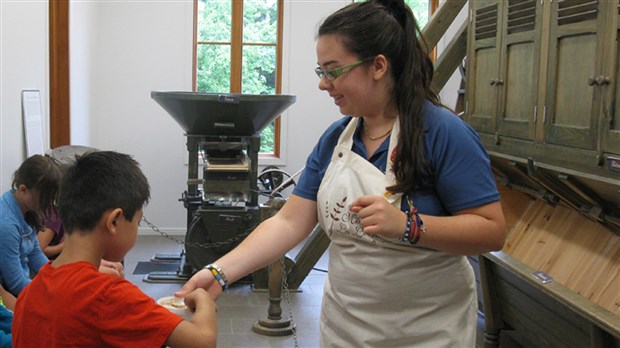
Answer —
176 306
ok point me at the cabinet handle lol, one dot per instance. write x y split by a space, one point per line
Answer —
591 81
602 80
499 82
493 82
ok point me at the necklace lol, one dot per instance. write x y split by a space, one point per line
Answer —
377 137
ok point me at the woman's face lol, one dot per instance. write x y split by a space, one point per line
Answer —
355 91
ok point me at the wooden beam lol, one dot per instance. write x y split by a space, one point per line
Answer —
60 126
451 58
440 21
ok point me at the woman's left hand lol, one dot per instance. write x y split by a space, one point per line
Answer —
378 216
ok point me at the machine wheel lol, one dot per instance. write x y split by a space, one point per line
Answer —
271 178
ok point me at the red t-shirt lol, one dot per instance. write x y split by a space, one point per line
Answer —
77 306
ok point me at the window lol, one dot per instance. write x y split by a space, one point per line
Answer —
422 9
238 49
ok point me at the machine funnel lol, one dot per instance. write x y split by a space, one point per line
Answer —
222 114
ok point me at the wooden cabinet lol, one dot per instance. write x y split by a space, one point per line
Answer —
542 81
503 94
610 124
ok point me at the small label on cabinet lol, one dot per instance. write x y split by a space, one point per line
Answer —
613 164
542 277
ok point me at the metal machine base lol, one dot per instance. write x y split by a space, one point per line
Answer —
181 275
167 257
270 327
166 277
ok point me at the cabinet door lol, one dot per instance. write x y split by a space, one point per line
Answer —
610 80
483 65
574 62
519 69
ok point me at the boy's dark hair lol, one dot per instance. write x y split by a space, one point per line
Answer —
42 174
97 182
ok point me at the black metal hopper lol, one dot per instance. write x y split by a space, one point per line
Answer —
222 114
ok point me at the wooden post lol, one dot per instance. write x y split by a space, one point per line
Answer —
274 325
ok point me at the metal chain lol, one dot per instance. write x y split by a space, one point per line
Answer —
287 294
197 245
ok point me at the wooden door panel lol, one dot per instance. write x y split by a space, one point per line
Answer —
483 67
520 92
573 99
571 109
520 62
611 112
483 106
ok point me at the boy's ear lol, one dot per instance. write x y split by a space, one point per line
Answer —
112 219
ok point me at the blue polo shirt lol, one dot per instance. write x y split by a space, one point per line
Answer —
462 172
19 252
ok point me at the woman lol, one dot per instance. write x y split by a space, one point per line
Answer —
34 189
401 185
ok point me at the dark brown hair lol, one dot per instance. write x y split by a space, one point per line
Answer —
41 174
97 182
388 27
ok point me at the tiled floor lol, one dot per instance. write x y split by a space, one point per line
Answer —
239 307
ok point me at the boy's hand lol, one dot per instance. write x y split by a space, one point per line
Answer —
203 279
201 329
200 297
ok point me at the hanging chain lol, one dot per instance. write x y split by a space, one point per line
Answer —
287 295
197 245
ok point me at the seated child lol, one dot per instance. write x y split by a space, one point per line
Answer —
70 303
33 190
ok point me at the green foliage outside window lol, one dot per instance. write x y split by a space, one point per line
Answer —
258 72
258 75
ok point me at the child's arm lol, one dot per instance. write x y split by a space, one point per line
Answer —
7 298
45 237
201 330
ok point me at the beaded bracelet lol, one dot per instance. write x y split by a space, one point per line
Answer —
415 226
418 230
218 274
407 229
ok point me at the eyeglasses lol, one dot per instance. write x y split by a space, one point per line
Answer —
332 74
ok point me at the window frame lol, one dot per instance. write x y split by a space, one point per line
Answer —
236 58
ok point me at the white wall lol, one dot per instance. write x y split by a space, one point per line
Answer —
123 50
24 64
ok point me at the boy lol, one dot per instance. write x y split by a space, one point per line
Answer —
70 303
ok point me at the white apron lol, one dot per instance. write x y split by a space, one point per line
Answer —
381 292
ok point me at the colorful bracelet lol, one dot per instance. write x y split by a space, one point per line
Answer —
218 274
415 226
407 229
418 230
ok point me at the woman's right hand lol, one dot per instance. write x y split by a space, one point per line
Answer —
203 279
